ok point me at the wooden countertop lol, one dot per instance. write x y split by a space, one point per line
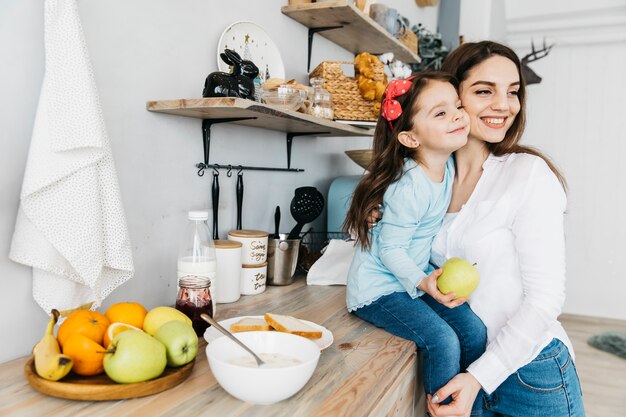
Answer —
366 372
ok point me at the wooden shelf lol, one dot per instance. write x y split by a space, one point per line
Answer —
359 34
255 114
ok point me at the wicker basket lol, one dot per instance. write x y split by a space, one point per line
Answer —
348 104
409 39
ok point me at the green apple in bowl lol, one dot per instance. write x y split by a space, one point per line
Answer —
180 341
134 356
458 276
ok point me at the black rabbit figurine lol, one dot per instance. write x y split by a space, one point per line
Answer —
239 83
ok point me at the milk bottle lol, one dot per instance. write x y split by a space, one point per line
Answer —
197 251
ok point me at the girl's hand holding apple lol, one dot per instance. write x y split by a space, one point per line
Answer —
429 286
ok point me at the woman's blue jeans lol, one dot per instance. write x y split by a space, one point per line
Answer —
450 338
546 387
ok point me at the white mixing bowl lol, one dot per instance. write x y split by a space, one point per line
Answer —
264 385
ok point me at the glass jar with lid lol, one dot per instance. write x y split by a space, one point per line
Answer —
193 299
321 100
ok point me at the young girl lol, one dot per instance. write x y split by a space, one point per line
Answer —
421 124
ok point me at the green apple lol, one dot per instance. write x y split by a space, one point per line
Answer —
158 316
459 277
134 356
180 341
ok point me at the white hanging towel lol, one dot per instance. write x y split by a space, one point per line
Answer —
70 225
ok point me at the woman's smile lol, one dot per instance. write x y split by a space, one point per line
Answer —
490 97
494 122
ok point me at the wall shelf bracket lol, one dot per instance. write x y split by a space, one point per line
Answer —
291 135
313 31
206 137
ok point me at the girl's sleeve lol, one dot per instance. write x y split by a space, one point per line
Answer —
540 246
403 210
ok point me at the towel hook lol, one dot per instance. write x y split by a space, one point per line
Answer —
201 170
229 173
240 170
216 171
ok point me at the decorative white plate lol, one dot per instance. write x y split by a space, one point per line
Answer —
323 342
251 42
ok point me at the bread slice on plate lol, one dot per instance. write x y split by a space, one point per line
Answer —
248 324
292 325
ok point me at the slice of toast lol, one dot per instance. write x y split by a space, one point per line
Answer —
248 324
292 325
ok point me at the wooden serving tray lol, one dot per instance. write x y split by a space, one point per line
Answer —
101 387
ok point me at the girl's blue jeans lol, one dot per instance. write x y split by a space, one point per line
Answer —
546 387
449 338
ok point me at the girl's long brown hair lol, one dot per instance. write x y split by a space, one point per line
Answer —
462 60
388 157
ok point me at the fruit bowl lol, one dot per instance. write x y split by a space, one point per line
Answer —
101 387
284 97
264 385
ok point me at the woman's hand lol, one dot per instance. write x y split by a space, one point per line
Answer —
463 388
429 286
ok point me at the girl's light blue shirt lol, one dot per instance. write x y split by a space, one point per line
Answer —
414 208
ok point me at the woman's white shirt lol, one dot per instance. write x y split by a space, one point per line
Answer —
512 228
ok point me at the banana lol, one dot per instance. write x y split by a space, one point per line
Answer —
50 364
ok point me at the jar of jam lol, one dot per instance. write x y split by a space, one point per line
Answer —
193 299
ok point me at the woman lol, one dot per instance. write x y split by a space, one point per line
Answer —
506 215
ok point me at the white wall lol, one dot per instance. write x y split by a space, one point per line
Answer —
158 49
576 115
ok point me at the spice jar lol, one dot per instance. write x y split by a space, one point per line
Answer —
193 299
321 100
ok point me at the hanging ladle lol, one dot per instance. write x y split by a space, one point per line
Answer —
215 324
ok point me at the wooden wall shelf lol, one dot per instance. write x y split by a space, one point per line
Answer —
359 33
251 113
255 114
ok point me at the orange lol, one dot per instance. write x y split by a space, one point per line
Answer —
89 323
86 354
114 329
128 312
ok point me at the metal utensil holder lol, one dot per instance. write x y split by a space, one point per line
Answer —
282 260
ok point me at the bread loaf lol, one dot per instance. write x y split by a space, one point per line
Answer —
292 325
248 324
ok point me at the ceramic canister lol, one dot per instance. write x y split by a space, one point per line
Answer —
254 245
253 279
228 275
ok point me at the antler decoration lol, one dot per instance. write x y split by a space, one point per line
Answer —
531 76
391 108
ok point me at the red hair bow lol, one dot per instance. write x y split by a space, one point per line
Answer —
391 108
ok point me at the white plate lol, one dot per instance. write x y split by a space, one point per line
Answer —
251 42
323 342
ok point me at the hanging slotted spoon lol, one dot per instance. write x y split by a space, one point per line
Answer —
306 206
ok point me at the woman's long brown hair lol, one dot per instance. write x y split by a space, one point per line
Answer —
388 157
462 60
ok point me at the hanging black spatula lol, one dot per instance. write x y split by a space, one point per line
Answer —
306 206
239 198
276 235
